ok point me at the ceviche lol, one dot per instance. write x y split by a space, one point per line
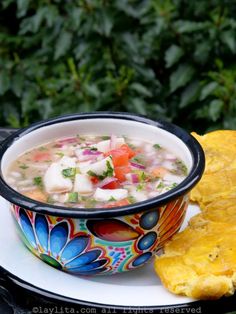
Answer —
96 171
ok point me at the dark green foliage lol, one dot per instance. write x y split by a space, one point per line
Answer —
171 59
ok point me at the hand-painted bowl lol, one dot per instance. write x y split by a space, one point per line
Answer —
100 240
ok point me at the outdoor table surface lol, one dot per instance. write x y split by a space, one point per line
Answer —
19 300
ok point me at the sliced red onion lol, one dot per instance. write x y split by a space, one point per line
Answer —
106 181
91 152
134 178
113 141
64 141
138 166
87 158
68 140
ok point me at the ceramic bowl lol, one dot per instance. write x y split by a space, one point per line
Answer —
100 240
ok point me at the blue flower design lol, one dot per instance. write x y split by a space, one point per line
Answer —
58 250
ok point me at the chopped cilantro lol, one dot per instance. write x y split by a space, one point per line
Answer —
93 174
90 148
112 199
105 137
90 203
23 166
73 197
42 148
181 167
140 159
173 185
143 176
157 146
131 199
161 185
60 154
108 173
140 187
38 181
50 200
83 139
69 172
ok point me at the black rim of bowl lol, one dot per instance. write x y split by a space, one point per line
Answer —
61 211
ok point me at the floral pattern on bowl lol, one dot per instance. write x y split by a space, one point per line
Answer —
99 246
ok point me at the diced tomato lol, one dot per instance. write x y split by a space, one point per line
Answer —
112 185
159 172
118 203
119 157
41 156
128 150
94 180
36 195
120 173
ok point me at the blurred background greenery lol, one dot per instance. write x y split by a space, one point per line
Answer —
171 59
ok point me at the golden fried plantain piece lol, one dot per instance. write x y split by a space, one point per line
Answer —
200 262
219 178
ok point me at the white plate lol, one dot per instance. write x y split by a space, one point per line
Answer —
137 288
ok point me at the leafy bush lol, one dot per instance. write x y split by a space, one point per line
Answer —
172 59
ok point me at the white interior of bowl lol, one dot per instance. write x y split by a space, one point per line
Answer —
97 127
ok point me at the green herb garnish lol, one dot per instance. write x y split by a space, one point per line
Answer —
90 148
108 173
143 176
105 137
73 197
140 187
90 203
81 138
181 167
38 181
60 154
173 185
23 166
50 200
112 199
157 146
131 199
140 159
161 185
93 174
69 172
43 148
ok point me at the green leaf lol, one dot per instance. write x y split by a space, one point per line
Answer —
202 51
105 23
181 76
38 18
63 44
172 55
215 109
138 106
228 38
141 89
4 81
45 107
17 83
189 94
22 7
208 90
182 26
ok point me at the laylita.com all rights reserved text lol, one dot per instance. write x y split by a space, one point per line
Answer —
90 310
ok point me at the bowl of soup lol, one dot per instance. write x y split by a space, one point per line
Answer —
99 193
